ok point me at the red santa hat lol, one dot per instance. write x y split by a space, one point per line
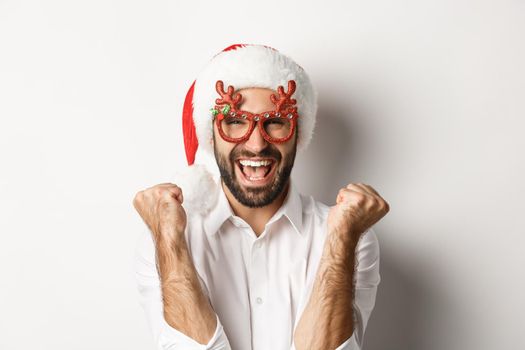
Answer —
242 66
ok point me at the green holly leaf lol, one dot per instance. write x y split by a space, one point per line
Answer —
225 109
214 112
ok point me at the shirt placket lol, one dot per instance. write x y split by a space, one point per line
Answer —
258 294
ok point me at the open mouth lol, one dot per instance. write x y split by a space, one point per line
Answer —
256 171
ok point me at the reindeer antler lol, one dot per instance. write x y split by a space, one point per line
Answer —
227 97
284 98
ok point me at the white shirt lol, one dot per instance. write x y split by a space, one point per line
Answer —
258 286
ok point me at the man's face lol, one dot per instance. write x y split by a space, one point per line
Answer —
255 171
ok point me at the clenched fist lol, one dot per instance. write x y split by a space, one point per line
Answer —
358 207
161 209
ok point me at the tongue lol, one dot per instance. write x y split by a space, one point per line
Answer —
259 171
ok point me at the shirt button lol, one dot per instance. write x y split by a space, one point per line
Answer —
257 244
259 300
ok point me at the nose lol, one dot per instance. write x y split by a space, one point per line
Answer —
256 141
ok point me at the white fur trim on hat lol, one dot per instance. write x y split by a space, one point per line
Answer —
199 188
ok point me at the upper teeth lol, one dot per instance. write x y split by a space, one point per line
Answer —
255 163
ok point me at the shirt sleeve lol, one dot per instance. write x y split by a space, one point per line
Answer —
367 279
150 298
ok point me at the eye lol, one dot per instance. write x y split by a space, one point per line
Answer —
233 122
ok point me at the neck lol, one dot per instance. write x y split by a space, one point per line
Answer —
255 217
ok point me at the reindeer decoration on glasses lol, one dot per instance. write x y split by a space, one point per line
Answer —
276 126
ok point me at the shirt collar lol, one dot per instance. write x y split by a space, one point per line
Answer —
291 208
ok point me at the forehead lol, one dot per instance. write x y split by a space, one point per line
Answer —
256 99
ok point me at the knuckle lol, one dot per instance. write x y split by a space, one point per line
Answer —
139 196
176 189
360 198
166 195
163 193
382 206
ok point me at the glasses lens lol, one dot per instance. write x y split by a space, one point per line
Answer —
277 128
235 127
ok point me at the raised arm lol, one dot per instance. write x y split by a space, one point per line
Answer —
328 319
179 312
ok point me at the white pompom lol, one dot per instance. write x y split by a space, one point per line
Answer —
199 189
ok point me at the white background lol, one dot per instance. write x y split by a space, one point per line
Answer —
423 100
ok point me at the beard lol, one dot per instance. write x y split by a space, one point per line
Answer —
255 197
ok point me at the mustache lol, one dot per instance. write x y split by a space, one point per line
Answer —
268 152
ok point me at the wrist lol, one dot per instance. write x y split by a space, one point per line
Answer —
340 247
171 255
347 237
169 238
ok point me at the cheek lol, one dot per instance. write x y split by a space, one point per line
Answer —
286 149
224 148
288 153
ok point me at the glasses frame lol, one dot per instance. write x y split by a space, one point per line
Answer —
285 108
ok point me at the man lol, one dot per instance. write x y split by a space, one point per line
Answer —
254 264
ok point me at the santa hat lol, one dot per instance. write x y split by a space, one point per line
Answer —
242 66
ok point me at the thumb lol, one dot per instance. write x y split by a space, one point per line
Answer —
177 193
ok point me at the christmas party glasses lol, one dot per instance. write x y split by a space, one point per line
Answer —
235 125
